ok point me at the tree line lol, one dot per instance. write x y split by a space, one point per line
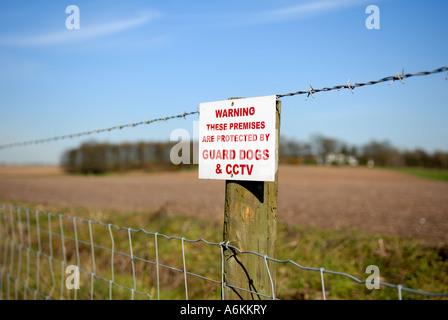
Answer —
381 153
95 157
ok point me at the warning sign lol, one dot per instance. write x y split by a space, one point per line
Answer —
238 139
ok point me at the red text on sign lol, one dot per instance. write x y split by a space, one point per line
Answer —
219 154
235 112
216 126
231 154
239 169
247 125
208 139
254 155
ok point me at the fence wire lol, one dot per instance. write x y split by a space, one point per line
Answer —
309 92
37 248
351 87
97 131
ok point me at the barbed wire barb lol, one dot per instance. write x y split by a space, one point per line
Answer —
348 86
398 77
310 92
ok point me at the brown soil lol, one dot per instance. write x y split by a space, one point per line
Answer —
373 200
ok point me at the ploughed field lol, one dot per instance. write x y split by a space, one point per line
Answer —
375 200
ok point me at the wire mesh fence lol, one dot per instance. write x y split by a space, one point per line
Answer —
45 255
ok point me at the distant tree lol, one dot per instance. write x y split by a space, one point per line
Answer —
93 157
324 146
417 158
382 153
68 160
440 159
294 152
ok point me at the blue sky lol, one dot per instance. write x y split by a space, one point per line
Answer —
136 60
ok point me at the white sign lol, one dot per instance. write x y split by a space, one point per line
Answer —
238 139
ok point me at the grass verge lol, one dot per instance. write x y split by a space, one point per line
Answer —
433 174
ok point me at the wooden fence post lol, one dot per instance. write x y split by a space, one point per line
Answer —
250 224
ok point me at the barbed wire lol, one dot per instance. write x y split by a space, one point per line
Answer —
14 229
396 77
97 131
309 92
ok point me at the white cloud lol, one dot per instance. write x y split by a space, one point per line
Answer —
311 7
84 33
299 11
